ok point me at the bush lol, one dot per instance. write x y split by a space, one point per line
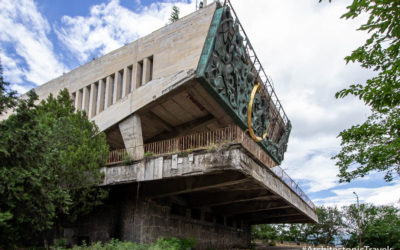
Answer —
127 160
148 154
162 243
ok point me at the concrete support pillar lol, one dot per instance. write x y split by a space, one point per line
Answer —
131 131
78 100
85 99
139 75
109 92
100 96
126 81
92 100
147 70
117 87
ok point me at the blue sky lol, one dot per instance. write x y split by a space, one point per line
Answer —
300 43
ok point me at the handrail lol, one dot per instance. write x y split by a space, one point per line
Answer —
213 140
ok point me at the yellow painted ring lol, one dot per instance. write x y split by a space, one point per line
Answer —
256 138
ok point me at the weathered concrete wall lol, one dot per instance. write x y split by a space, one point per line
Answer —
175 47
120 219
153 220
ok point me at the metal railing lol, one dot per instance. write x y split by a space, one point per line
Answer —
257 68
210 140
292 184
116 156
214 140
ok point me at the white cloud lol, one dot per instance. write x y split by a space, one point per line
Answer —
384 195
11 69
109 26
302 45
22 25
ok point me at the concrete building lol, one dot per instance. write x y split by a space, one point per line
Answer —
192 107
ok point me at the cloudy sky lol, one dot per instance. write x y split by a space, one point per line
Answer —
301 45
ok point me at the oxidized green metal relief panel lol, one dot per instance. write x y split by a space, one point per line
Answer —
225 71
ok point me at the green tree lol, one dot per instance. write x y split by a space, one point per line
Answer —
50 157
330 226
7 96
380 226
174 14
375 144
266 233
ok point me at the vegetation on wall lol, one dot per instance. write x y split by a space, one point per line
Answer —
174 14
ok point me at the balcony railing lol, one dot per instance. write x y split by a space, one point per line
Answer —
212 140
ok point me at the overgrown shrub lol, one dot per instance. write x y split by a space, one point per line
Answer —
162 243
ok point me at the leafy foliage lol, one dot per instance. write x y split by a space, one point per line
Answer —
329 226
7 96
380 227
161 244
375 144
174 14
49 165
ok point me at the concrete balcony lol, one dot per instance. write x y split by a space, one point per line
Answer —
222 170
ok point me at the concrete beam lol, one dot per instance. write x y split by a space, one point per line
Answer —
210 199
249 207
188 185
289 218
160 121
131 131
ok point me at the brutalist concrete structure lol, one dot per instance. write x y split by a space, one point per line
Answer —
191 106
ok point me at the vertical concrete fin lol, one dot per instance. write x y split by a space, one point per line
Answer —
92 100
109 93
146 70
100 96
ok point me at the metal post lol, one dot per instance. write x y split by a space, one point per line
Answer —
358 219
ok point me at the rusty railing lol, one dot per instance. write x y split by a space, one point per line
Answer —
213 140
209 140
116 156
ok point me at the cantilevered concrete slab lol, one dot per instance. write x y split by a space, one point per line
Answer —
230 181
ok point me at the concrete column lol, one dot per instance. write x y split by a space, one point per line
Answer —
131 131
109 93
100 97
126 81
117 87
75 98
138 75
92 100
146 70
85 100
78 100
